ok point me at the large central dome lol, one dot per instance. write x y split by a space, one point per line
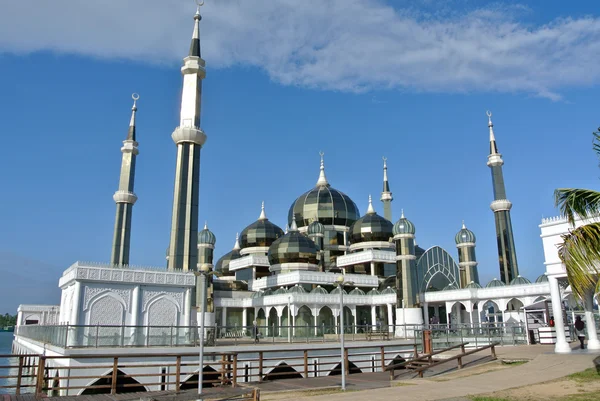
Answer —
324 204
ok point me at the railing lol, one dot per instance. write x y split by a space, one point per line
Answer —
426 358
87 336
110 374
458 358
444 335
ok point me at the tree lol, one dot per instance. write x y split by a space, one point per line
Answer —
580 251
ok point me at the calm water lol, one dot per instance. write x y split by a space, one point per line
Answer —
6 339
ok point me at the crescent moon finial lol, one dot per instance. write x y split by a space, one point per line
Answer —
384 158
489 113
135 98
199 3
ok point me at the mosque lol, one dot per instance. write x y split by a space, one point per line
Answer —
286 276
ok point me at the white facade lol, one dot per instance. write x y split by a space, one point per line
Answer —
38 314
551 231
102 294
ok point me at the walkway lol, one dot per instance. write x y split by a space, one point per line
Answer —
544 366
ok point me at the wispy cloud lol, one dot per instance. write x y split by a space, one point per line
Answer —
344 45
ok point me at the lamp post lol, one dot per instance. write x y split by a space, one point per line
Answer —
340 283
289 322
202 275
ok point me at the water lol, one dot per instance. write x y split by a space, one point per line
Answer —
6 339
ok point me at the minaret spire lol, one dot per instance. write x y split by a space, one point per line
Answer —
501 206
189 139
263 215
124 197
322 181
236 246
386 194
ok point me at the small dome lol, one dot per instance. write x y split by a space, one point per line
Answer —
319 290
293 247
257 294
403 226
260 233
206 236
222 265
371 227
464 236
281 290
495 283
268 291
450 287
315 228
297 289
388 290
357 291
519 281
324 204
473 284
542 279
373 292
336 290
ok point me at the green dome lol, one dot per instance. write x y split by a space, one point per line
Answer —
542 279
373 292
257 294
319 290
495 283
315 228
222 265
464 236
371 227
336 290
260 233
293 247
281 290
473 284
519 281
206 236
388 290
357 291
403 226
297 289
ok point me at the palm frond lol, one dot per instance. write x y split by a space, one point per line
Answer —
574 202
580 252
596 142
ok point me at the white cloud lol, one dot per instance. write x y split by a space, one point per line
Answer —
347 45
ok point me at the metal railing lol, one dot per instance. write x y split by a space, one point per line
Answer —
86 336
68 375
444 335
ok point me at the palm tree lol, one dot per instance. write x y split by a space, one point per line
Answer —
580 251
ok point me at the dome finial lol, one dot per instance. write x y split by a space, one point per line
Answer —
294 226
195 45
263 215
131 132
205 225
236 246
402 215
322 181
370 209
463 225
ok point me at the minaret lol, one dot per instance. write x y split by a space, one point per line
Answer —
124 196
386 194
467 262
501 206
407 286
189 138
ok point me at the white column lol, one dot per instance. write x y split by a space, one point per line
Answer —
372 268
561 341
245 317
293 324
223 317
390 318
187 319
353 313
590 324
135 306
426 313
76 304
373 316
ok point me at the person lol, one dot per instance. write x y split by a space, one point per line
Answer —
579 327
551 321
255 332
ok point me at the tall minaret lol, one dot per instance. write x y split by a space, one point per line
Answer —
124 197
189 138
386 195
501 206
467 261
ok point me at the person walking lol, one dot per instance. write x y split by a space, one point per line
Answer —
579 327
255 332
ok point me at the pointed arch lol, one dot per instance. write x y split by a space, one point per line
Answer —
125 384
437 269
208 375
282 371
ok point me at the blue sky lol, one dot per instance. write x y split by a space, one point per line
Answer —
357 80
